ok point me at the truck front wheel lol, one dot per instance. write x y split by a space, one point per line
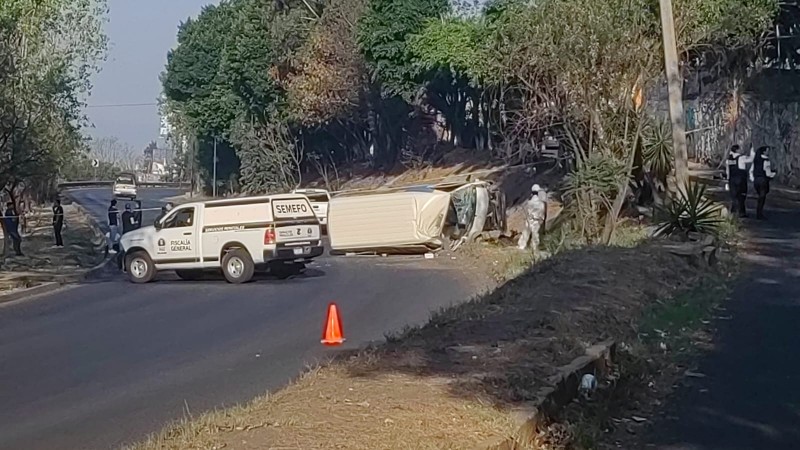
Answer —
140 267
237 266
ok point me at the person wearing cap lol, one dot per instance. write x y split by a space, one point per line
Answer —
11 225
128 221
736 168
760 174
164 211
58 222
535 215
137 214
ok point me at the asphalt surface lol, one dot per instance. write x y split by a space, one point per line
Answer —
750 398
106 362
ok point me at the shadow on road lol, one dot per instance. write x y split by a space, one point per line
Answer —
748 399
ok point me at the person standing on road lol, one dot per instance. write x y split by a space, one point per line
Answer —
164 211
137 215
535 214
760 174
58 222
128 219
737 179
113 223
11 222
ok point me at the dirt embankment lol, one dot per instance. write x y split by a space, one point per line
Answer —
453 383
42 261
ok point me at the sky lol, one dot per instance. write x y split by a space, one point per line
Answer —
141 32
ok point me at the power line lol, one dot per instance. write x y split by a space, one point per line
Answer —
123 105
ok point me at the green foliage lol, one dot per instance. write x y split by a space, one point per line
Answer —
657 149
193 78
453 44
42 82
591 189
691 211
386 31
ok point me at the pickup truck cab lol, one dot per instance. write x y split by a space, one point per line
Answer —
125 186
277 233
320 199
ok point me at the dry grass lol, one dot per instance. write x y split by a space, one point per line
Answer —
451 383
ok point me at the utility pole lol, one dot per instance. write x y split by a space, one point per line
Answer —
675 84
214 188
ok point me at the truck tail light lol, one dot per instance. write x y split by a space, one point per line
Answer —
269 236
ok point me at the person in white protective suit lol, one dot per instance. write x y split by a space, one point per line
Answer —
535 214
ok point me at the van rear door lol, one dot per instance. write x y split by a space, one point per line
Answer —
295 221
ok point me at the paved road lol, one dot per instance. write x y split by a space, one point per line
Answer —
107 362
751 396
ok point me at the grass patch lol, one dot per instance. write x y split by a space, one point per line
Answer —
671 333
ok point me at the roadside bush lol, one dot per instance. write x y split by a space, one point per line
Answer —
690 211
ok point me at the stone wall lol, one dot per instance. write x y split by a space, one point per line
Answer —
767 112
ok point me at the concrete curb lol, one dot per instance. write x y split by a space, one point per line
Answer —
562 390
19 294
61 281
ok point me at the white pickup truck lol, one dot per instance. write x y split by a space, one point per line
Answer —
278 233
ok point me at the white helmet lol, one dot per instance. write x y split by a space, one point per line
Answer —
535 188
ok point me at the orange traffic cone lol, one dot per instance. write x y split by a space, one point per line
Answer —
333 334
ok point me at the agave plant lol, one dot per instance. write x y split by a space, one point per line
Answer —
691 211
657 149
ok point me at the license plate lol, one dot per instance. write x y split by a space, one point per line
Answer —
305 232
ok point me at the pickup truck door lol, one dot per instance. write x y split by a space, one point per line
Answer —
177 242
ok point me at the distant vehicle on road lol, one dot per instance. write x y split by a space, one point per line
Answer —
277 233
320 199
125 186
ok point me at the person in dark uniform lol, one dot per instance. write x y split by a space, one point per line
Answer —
58 222
165 210
137 215
113 224
128 221
737 180
11 222
760 174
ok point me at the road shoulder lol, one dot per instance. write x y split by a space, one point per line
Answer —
44 267
458 381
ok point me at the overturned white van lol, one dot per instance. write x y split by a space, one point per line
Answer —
415 219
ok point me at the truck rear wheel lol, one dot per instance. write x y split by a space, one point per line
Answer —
140 267
237 266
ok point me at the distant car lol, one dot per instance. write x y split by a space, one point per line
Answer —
125 186
319 199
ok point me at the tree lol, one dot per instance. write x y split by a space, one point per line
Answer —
114 152
48 51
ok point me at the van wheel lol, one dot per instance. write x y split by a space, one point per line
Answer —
237 266
140 268
189 275
285 271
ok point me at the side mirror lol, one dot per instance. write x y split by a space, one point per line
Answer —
157 224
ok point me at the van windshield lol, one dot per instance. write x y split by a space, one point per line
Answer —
125 179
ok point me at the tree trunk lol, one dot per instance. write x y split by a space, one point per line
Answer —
622 192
